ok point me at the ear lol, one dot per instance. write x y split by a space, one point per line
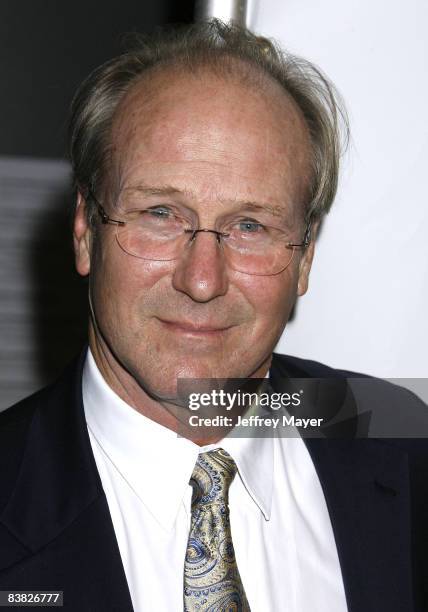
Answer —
82 237
306 263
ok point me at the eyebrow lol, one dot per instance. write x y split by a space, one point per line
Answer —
147 190
169 190
277 211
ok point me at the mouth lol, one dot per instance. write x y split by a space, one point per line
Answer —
195 329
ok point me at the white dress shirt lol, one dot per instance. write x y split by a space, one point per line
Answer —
281 529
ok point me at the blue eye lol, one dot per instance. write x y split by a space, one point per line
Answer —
250 226
161 212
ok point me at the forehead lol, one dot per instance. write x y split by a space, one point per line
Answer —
215 137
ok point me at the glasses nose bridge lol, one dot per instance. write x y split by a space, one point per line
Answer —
219 235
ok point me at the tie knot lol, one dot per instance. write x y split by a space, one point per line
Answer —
211 478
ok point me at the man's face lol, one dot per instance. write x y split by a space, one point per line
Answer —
207 146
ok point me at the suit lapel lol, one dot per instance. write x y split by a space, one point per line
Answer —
58 510
366 487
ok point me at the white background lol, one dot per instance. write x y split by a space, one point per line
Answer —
366 309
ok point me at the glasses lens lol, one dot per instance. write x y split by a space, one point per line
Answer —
257 249
272 261
153 234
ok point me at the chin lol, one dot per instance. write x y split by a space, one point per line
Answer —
163 381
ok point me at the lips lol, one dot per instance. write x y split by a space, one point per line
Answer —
192 327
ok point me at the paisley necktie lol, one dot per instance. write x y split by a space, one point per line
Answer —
211 578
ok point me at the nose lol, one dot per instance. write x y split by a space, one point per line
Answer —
201 271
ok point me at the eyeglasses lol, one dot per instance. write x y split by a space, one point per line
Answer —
157 233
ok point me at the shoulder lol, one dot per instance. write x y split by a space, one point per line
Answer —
17 422
24 410
297 366
360 383
21 413
19 416
398 417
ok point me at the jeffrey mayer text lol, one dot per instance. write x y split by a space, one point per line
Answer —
254 421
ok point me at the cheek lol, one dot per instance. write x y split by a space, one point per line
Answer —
272 299
120 282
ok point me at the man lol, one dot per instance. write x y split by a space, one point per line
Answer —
204 161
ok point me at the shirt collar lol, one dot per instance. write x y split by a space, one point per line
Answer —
155 462
254 458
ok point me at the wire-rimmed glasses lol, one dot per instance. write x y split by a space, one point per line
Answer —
157 233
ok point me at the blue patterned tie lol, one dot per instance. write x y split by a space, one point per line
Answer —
211 578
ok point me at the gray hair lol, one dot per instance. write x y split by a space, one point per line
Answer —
214 45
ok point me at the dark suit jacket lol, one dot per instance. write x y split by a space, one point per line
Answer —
56 531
